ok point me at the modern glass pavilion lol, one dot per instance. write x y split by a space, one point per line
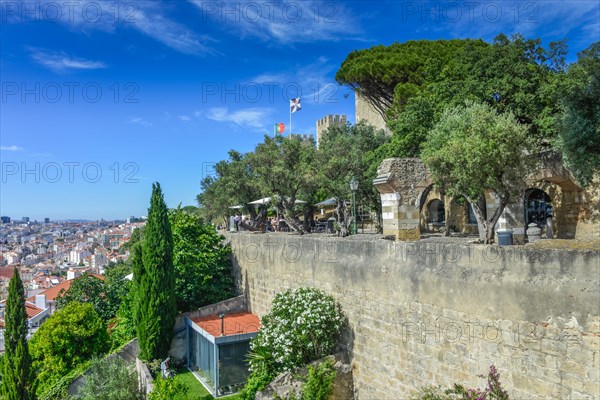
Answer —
217 346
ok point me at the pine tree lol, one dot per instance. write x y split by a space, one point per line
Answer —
17 374
155 282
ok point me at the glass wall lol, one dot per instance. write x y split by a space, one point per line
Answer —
202 353
233 366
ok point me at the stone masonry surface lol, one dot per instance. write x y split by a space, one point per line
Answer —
435 313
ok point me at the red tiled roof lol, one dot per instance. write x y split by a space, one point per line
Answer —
52 292
235 324
30 309
7 272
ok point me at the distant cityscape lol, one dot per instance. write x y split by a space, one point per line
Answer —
48 255
50 252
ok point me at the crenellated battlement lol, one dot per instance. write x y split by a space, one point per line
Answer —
329 120
302 136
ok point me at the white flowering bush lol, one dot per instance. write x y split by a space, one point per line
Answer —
303 325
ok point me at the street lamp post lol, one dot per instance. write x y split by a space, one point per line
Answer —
354 188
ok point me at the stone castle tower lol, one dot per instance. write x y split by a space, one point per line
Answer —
329 120
366 112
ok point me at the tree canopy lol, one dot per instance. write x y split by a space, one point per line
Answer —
233 184
69 338
285 168
412 83
512 75
201 261
110 379
105 293
88 288
154 277
350 151
388 76
580 123
473 149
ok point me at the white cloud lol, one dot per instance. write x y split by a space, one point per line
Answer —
269 78
150 20
256 118
147 17
139 121
60 61
284 22
10 148
554 19
184 118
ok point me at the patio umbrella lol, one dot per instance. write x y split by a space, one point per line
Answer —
267 200
329 202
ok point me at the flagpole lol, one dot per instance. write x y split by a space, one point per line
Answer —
290 107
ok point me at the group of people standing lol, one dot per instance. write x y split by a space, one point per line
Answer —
273 224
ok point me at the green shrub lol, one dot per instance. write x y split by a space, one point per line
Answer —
258 380
319 382
303 325
69 339
110 379
167 389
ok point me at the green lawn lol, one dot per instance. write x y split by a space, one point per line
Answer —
196 390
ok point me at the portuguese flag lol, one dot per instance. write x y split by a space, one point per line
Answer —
279 128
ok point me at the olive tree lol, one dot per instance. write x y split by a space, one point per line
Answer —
473 149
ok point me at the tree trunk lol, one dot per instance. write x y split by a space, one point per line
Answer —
347 219
252 212
288 216
486 226
341 211
309 216
257 218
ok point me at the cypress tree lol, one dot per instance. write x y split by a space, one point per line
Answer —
155 281
17 374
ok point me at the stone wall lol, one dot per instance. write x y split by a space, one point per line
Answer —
144 377
438 313
364 111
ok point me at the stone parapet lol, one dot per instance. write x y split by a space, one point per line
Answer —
428 313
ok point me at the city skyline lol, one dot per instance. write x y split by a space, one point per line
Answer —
100 99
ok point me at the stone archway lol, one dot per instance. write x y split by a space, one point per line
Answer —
402 183
405 187
551 183
437 212
433 213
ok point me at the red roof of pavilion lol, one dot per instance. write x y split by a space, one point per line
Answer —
234 324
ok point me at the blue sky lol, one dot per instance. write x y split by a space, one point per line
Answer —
101 98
